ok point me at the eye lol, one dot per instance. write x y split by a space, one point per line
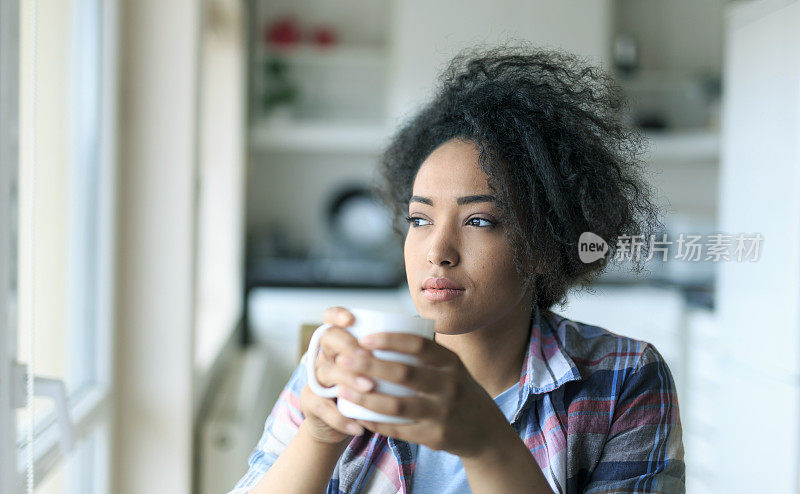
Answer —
490 222
412 220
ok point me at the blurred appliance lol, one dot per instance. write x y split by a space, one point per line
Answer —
359 224
359 250
235 420
688 274
661 100
626 52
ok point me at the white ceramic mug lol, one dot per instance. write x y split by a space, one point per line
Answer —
370 321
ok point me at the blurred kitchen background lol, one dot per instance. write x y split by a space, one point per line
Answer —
200 194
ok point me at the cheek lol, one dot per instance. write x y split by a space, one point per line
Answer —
496 266
411 258
408 250
413 248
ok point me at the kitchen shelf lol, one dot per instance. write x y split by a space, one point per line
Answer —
685 145
345 136
319 136
345 56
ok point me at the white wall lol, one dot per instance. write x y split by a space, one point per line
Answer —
425 35
758 303
422 37
158 111
683 35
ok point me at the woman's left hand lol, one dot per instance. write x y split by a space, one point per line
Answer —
451 411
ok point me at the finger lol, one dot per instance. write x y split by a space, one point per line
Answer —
386 429
322 359
338 316
407 432
325 409
322 373
324 355
336 374
329 374
427 351
337 340
413 407
424 379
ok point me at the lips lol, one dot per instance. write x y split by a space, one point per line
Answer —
444 295
440 284
441 289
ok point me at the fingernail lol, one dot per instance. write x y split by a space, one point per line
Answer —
364 384
354 429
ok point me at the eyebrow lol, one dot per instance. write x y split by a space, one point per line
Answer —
460 201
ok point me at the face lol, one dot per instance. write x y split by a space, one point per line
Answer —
455 235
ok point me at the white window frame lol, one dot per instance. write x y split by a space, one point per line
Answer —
9 159
90 408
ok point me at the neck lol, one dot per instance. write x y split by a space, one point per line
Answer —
494 354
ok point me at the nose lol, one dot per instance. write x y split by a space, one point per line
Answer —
443 250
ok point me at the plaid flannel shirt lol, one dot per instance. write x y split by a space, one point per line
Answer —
598 412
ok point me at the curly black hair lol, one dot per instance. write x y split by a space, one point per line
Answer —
549 130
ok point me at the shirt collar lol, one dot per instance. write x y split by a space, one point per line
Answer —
547 365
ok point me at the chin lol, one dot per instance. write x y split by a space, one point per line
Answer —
445 322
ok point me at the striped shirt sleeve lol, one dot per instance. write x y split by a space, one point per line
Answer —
643 452
279 429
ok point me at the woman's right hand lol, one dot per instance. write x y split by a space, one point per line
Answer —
323 419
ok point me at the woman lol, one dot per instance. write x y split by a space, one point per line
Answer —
519 153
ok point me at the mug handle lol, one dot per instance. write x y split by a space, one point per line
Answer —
311 359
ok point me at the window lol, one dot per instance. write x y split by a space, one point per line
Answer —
56 256
220 185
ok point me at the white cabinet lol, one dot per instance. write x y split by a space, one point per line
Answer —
758 302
